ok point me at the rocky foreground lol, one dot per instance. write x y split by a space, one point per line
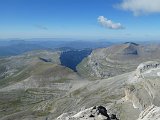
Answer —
100 113
95 113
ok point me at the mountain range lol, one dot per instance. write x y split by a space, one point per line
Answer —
64 84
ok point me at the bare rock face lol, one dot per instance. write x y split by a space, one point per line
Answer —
94 113
146 66
143 90
150 113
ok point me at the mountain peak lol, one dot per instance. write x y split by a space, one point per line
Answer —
130 49
131 43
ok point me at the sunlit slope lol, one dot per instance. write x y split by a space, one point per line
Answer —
117 59
31 83
34 69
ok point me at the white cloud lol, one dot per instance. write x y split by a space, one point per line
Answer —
109 23
139 7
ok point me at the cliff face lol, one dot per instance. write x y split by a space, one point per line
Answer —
135 96
144 87
116 60
144 90
150 113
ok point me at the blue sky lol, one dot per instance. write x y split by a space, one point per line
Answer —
80 19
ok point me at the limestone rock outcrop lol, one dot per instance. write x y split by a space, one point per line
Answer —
150 113
146 66
93 113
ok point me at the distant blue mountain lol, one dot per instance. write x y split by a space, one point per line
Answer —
15 47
